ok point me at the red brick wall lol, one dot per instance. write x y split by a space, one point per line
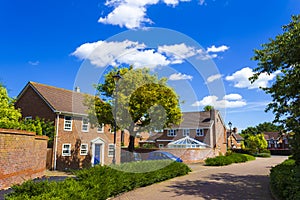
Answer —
22 156
32 104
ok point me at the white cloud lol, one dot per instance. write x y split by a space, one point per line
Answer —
180 76
179 52
132 13
232 97
241 78
213 78
215 49
34 63
228 101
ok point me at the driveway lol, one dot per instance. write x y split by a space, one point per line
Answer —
248 180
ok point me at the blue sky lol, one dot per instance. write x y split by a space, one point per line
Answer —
204 47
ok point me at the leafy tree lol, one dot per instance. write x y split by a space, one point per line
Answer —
261 128
208 108
256 142
283 54
9 116
139 102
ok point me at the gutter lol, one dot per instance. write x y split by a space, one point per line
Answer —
56 140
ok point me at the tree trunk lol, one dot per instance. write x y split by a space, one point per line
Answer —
131 143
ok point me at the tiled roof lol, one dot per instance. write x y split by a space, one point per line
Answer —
61 100
271 135
194 120
237 136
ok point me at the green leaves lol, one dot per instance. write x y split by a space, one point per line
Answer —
283 53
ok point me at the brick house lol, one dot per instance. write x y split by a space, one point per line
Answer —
76 144
234 140
206 127
277 140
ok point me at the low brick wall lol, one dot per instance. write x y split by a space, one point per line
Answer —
191 155
22 156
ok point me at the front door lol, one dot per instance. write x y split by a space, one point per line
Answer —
97 154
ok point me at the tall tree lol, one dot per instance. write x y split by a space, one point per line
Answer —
283 54
9 116
261 128
138 102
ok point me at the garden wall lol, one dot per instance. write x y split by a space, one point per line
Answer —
22 156
191 155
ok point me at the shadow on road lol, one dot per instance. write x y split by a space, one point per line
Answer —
225 187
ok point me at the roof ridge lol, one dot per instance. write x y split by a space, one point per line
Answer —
55 87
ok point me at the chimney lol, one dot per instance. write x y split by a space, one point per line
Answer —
77 89
235 130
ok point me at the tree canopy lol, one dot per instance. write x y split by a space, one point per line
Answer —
261 128
282 54
208 108
138 102
256 142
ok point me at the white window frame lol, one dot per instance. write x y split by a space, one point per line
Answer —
186 132
28 118
66 149
171 133
84 151
100 128
68 122
200 132
85 124
111 150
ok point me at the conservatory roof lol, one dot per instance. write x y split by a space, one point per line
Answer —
188 141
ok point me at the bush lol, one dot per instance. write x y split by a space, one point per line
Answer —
227 160
285 180
99 182
263 155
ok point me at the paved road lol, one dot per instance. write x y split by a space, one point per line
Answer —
238 181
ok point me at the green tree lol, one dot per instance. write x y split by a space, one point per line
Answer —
261 128
256 142
139 102
208 108
9 116
283 54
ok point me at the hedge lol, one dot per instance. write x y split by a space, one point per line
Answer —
227 160
285 180
99 182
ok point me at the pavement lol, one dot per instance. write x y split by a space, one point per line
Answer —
245 181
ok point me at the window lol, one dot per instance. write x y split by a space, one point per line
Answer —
100 128
171 132
28 118
199 132
66 150
111 150
160 146
186 132
68 123
84 149
85 125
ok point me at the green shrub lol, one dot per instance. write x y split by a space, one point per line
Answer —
263 155
99 182
285 180
227 160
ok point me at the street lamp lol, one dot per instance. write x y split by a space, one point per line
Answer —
116 79
230 124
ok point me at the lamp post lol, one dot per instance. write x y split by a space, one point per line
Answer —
230 135
116 79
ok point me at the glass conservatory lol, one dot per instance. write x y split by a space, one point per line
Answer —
187 142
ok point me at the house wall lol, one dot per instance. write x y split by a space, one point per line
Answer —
23 156
220 135
76 137
31 104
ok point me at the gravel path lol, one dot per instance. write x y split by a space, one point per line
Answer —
248 180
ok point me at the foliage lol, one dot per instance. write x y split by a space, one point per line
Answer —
256 143
282 55
261 128
139 102
262 155
208 108
9 116
285 180
99 182
227 160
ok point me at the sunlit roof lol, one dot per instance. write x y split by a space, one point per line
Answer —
187 142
